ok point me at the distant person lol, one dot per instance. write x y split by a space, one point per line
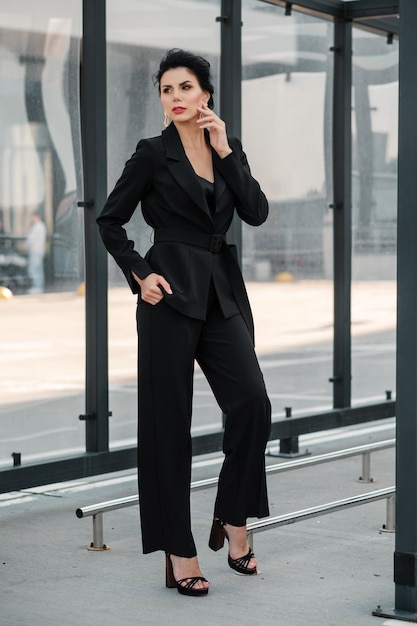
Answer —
35 245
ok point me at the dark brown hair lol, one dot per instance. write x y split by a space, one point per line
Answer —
198 65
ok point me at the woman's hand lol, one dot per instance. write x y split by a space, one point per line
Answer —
217 128
150 287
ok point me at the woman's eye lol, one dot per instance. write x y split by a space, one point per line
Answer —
186 87
166 90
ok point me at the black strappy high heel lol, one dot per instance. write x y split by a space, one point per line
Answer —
240 565
185 586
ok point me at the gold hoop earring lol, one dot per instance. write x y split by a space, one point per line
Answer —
166 120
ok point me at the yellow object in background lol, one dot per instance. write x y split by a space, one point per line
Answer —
5 293
284 277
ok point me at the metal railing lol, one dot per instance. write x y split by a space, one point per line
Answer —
97 510
330 507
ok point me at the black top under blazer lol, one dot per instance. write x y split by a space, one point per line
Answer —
189 247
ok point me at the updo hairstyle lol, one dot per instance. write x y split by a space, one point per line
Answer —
199 66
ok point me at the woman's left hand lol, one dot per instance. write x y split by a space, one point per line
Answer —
217 128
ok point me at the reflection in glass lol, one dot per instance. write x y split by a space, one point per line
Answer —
42 336
138 34
287 100
374 218
39 145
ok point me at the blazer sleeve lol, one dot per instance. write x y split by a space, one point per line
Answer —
132 186
251 203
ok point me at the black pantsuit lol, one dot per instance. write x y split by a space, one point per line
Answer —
224 351
206 318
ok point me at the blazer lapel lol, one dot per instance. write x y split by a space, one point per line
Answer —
181 168
220 183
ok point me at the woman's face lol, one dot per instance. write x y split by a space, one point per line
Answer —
181 94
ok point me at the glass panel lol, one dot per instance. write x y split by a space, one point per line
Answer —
374 181
287 99
138 34
42 330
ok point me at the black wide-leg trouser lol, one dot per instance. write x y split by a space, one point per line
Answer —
169 342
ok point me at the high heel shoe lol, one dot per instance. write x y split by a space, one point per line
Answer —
240 565
217 535
185 586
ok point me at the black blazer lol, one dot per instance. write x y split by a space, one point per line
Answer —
189 244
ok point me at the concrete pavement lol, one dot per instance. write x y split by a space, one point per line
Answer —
329 571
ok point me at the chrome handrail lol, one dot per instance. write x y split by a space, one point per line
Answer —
97 510
322 509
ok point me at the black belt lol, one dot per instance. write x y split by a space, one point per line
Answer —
213 243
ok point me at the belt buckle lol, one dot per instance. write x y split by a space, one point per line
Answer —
216 243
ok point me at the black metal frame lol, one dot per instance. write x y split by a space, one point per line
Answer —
374 15
405 560
68 468
342 213
91 464
230 84
358 9
340 9
94 147
291 427
98 458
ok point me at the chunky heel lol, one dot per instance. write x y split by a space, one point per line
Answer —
217 535
169 573
216 541
185 586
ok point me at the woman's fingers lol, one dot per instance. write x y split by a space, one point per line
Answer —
150 288
217 128
165 284
210 120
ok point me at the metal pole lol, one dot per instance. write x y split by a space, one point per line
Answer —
250 538
390 521
342 208
405 558
98 530
97 544
230 84
93 131
366 468
230 19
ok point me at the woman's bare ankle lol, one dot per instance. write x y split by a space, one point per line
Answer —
188 567
238 542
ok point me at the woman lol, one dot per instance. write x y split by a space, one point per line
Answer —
192 305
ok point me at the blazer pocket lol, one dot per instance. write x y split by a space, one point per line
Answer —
153 306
